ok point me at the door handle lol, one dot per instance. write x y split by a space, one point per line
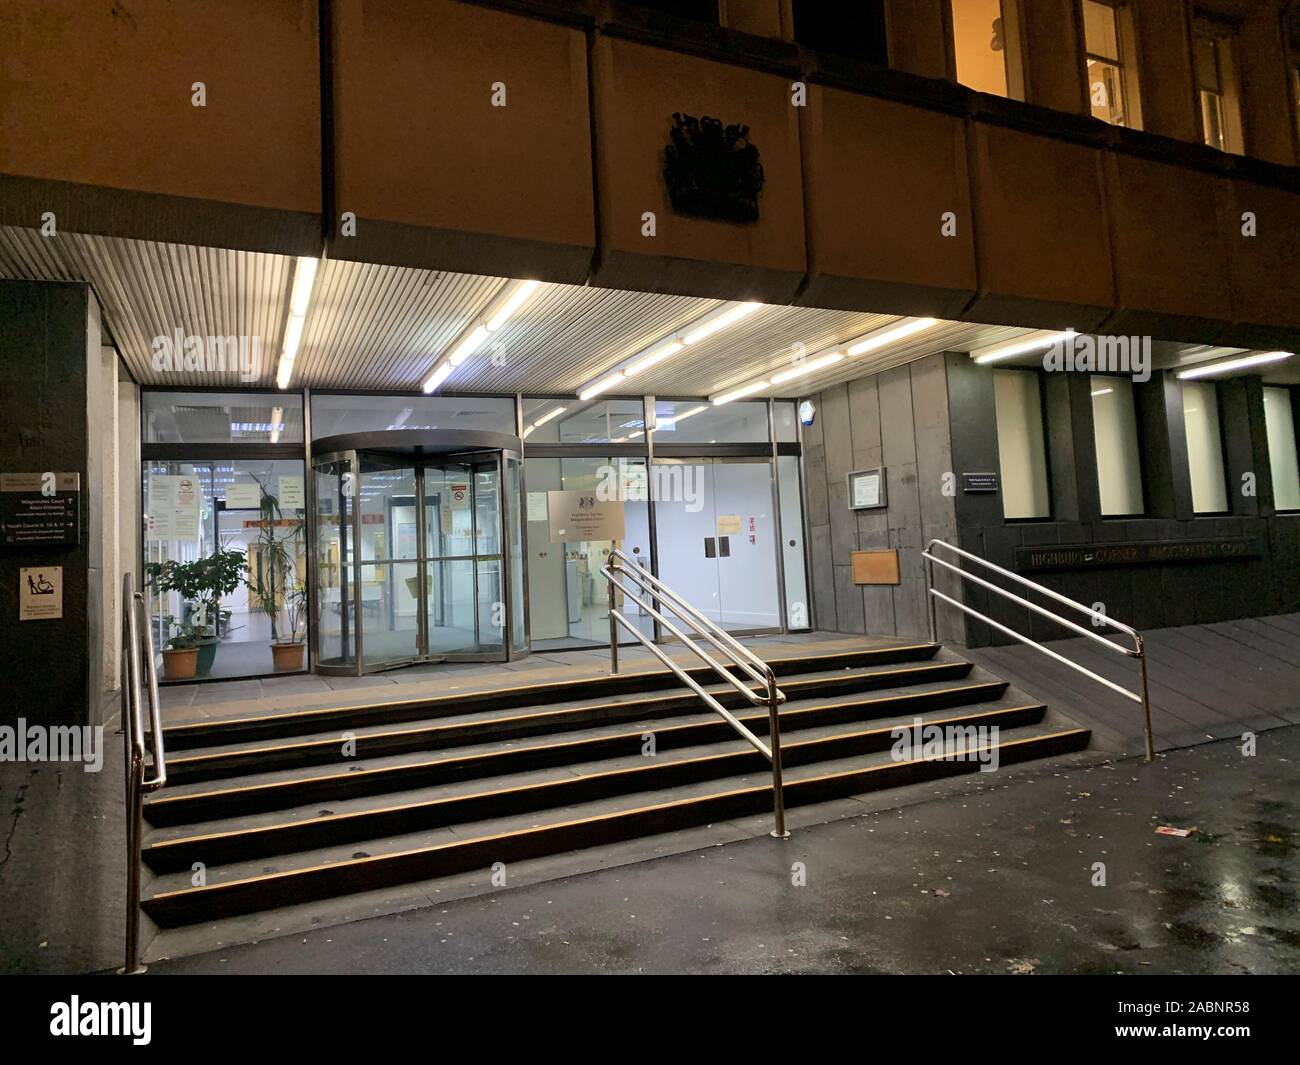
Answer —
709 549
724 546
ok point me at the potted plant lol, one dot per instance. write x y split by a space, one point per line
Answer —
275 588
287 650
181 655
200 584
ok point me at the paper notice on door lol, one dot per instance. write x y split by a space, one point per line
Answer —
173 508
536 506
459 493
243 497
293 495
728 524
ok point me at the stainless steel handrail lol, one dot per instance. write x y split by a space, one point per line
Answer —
137 637
736 654
1137 651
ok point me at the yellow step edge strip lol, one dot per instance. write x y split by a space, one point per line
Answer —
198 759
293 714
266 877
162 799
542 786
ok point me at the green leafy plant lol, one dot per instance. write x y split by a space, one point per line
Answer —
202 582
185 636
275 589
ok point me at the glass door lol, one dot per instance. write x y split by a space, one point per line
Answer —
716 528
389 564
465 598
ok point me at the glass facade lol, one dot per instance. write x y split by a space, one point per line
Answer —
375 559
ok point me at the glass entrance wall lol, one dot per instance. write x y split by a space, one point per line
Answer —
424 560
427 580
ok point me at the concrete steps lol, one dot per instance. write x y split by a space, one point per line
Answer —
436 787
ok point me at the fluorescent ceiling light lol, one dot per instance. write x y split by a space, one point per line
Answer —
656 356
810 366
289 352
304 275
438 376
1103 392
723 319
603 385
521 292
1020 347
743 390
1235 364
880 338
468 345
277 423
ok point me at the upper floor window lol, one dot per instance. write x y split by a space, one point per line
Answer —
700 10
1110 49
856 30
986 41
1216 83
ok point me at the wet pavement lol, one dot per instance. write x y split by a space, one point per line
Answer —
1058 871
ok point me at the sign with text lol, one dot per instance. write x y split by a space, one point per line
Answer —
40 593
1141 553
39 508
979 482
173 507
583 516
867 489
293 493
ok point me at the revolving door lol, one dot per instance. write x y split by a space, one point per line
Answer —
417 548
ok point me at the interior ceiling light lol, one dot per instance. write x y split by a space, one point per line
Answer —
547 417
806 367
1235 364
889 335
277 423
718 321
508 299
1041 339
656 356
737 393
667 347
304 276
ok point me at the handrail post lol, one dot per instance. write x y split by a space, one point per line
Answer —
134 762
1146 700
613 624
774 744
929 597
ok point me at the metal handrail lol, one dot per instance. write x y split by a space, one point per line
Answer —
1137 651
137 637
737 656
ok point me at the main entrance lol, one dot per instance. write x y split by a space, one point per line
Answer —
418 554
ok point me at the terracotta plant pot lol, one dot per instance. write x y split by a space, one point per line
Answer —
287 656
180 664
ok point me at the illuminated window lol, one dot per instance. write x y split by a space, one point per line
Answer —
986 39
1109 50
1204 447
1022 447
1216 83
1279 422
1119 455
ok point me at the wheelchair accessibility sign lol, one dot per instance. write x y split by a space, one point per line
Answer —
40 593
